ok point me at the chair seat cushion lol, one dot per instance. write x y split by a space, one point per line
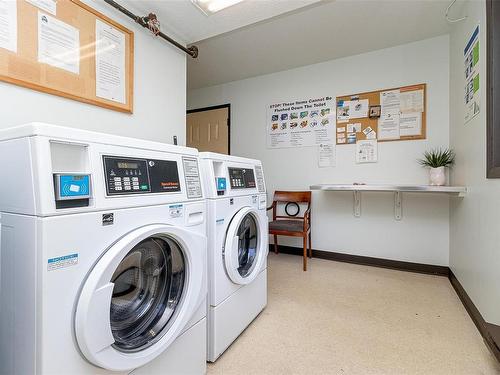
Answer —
287 225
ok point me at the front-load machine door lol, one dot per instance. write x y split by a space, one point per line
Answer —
244 249
139 296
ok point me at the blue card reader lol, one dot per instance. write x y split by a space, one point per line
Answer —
220 183
72 186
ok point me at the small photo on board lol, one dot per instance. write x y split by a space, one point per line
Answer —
374 111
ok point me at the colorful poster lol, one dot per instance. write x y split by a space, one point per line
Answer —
301 123
471 65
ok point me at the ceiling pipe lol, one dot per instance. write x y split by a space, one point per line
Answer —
144 22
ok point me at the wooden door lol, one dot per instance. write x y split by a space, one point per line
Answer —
208 130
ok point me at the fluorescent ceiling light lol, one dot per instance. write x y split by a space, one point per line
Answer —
212 6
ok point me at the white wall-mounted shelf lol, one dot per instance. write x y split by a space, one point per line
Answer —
458 191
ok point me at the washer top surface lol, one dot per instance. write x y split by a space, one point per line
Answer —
84 136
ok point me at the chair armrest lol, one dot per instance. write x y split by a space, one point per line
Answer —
307 219
271 206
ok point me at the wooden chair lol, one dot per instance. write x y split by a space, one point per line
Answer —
296 226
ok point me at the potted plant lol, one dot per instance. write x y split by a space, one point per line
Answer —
437 160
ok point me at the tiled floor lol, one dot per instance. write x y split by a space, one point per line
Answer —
339 318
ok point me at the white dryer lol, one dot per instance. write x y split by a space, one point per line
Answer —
103 255
237 228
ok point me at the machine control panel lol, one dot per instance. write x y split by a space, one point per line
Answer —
140 176
241 178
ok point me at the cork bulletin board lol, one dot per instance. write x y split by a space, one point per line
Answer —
396 114
67 48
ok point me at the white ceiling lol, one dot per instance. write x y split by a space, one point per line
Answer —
310 35
183 19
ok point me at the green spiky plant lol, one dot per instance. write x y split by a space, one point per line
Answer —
438 157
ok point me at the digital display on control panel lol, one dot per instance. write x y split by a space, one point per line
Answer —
140 176
241 178
127 165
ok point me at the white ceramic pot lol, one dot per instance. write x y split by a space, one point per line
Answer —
437 176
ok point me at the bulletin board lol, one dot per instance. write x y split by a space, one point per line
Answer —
24 66
411 115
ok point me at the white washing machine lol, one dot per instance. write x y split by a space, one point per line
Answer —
103 255
237 228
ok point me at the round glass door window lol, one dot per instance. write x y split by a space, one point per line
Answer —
149 284
247 245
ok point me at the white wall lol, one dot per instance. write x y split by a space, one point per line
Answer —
159 94
423 234
474 222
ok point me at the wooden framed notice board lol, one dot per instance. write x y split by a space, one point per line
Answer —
397 114
67 48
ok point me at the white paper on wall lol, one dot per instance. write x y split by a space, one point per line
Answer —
358 109
49 6
110 63
412 101
410 124
58 44
367 151
388 127
326 155
301 123
390 102
8 25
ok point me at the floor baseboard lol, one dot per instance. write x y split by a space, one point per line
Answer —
368 261
490 332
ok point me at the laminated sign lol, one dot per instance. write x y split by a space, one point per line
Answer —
301 123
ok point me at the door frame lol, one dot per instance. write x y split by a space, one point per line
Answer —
228 106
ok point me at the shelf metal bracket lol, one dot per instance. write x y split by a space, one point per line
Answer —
398 207
357 203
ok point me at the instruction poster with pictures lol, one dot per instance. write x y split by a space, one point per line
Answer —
471 67
301 123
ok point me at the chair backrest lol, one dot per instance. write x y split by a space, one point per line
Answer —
290 196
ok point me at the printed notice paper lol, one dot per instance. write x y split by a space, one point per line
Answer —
301 123
388 126
8 25
46 5
412 101
390 102
326 155
410 124
58 44
110 63
367 151
358 108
